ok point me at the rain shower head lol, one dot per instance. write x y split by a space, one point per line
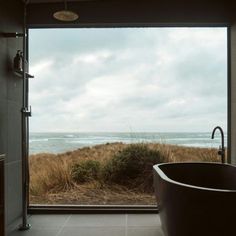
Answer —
65 15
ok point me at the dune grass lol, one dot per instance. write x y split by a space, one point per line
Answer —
113 173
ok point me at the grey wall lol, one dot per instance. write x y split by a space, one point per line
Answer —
11 20
111 12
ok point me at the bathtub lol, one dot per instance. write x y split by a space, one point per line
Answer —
196 199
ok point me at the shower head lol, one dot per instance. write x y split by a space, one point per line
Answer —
65 15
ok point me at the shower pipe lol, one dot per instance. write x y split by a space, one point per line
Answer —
25 112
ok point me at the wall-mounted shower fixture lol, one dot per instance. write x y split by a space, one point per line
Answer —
25 131
12 35
65 15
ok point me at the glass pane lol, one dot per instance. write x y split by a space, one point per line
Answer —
110 103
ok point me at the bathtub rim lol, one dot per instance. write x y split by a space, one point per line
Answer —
164 177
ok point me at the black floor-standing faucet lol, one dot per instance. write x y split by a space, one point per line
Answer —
221 151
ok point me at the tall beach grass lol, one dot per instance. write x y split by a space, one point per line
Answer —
115 173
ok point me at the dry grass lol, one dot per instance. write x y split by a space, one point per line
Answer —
51 181
94 194
49 173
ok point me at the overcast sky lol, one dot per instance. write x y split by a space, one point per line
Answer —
128 79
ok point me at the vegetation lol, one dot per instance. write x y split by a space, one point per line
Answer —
114 173
132 167
85 171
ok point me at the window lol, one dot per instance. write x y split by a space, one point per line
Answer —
109 103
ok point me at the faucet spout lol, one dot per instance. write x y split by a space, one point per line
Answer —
221 151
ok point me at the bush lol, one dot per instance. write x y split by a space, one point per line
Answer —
132 167
85 171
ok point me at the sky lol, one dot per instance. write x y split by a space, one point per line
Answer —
128 79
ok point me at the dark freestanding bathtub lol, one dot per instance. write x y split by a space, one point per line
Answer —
196 199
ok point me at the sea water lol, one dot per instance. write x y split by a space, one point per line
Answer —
62 142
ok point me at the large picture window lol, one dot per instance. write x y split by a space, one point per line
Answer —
109 103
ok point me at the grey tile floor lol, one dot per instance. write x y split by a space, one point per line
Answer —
93 225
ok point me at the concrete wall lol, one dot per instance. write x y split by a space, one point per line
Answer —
132 12
11 20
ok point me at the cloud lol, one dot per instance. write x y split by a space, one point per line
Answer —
139 79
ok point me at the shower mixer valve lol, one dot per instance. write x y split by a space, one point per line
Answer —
27 111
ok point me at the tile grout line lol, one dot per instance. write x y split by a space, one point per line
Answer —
126 224
66 221
12 163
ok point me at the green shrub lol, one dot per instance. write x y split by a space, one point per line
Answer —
133 166
85 171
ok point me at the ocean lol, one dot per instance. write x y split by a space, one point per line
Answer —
62 142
